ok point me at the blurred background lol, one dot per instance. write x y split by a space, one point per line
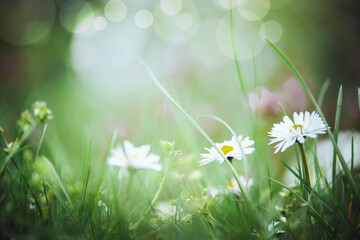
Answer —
71 55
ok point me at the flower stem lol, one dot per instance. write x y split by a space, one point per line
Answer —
305 164
129 186
132 227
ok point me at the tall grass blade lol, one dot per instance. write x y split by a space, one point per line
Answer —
234 50
352 155
237 141
359 97
47 203
40 142
187 116
316 166
282 109
331 136
59 181
336 133
86 175
323 90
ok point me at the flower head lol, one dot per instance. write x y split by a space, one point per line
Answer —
230 149
133 158
233 186
288 132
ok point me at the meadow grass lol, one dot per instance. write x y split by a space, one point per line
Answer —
40 199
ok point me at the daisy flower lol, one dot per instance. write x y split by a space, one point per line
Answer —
288 132
233 186
230 150
133 158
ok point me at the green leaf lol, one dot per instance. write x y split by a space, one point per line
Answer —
336 133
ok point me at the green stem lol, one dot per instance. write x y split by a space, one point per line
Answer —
305 164
236 60
155 197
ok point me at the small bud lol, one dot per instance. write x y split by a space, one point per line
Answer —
10 146
173 202
26 120
167 146
41 111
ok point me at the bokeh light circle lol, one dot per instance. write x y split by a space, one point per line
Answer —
170 7
100 23
26 22
143 18
115 10
225 4
180 28
247 38
76 16
184 21
253 10
271 30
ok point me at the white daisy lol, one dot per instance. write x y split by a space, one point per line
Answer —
133 158
288 132
229 148
233 186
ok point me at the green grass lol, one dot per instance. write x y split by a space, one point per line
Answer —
43 197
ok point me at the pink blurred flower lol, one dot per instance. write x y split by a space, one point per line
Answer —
295 95
268 102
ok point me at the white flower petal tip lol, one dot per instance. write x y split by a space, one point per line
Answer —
286 133
132 157
230 150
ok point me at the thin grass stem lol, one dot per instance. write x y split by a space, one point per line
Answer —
307 175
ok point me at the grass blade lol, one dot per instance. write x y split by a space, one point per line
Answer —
59 181
237 141
309 189
308 92
186 115
16 147
236 59
323 90
40 142
86 174
359 98
336 133
352 155
318 216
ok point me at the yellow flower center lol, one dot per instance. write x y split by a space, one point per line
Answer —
231 184
296 126
225 149
134 156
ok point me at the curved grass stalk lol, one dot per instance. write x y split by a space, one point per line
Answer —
331 136
187 116
156 195
59 181
40 142
237 141
323 90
